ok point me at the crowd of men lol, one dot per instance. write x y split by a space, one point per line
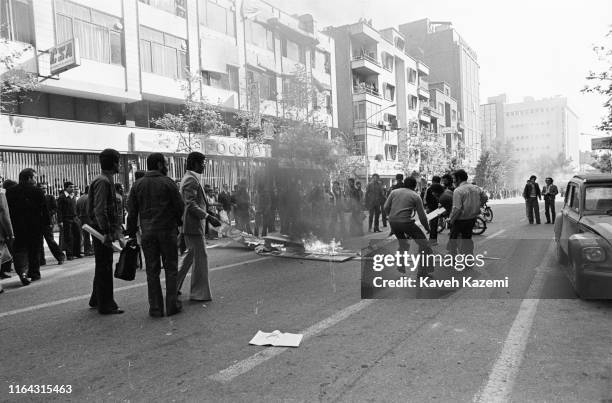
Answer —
163 213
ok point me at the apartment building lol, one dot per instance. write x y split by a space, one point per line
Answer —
135 56
378 89
444 117
492 121
454 62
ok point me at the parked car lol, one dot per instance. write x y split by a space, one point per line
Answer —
583 234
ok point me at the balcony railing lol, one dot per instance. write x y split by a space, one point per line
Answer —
363 89
368 57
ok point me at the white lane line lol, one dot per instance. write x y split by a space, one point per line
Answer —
505 370
127 287
262 356
495 234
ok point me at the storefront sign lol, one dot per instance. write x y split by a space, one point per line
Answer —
64 56
234 147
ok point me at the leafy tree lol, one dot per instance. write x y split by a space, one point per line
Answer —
600 82
603 162
495 167
196 120
15 81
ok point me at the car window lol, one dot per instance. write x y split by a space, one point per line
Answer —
598 198
567 194
575 198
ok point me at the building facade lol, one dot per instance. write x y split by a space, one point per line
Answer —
451 60
492 121
379 86
135 60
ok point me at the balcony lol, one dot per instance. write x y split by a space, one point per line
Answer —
366 64
422 68
363 92
363 32
424 116
423 89
434 113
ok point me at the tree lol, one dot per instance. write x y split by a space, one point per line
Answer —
15 80
198 119
603 162
495 166
601 81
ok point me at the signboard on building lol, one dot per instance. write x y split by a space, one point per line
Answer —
601 143
234 147
64 56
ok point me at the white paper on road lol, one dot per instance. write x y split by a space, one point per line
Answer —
435 213
100 237
276 339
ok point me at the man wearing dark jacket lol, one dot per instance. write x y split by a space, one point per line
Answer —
81 207
29 216
67 219
431 204
531 194
48 230
104 219
374 198
156 200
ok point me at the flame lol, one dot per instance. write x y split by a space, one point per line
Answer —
314 245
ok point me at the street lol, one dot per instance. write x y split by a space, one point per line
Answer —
531 342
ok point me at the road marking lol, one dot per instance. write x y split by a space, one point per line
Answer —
495 234
127 287
244 366
505 370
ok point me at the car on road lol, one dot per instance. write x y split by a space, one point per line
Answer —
583 235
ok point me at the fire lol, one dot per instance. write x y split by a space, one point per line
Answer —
314 245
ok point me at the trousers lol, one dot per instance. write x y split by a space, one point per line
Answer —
102 293
465 245
374 214
196 257
533 209
406 230
160 247
47 236
549 209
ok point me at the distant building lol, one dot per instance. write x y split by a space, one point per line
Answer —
492 121
444 116
451 60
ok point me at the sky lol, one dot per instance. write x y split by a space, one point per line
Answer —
538 48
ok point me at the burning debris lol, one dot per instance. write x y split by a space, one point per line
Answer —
309 249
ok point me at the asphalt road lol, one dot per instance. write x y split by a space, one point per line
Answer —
532 341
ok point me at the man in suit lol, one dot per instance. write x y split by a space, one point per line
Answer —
156 201
197 212
531 194
48 230
67 219
29 216
374 197
550 191
104 219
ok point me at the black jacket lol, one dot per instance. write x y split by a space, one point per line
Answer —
527 191
66 208
28 210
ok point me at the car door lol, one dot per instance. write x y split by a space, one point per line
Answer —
571 214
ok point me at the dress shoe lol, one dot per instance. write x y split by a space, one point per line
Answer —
377 230
24 280
112 312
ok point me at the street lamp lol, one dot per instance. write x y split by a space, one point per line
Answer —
366 139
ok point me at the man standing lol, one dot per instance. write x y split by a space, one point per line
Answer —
195 216
29 216
531 194
81 207
104 219
550 191
374 197
431 204
467 199
155 199
401 204
47 234
66 216
399 182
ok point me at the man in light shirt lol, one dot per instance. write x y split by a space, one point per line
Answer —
467 199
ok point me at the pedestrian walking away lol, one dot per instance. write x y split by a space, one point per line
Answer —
156 202
196 213
81 207
47 235
67 219
104 219
550 192
531 194
401 204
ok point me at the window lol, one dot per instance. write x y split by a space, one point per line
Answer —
176 7
454 114
162 54
217 17
389 92
265 83
293 51
315 100
598 198
258 35
16 22
412 74
412 102
387 61
367 110
575 198
99 35
328 103
390 152
327 63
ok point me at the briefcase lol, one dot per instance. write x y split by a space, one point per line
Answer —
129 261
